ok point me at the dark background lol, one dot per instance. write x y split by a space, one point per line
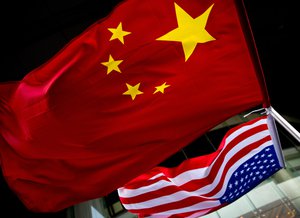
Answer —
33 31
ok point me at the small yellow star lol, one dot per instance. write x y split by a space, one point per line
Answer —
133 91
118 33
161 88
111 65
190 31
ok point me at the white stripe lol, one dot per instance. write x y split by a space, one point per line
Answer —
156 176
194 215
195 207
244 129
200 213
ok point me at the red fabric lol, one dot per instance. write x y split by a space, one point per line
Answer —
70 134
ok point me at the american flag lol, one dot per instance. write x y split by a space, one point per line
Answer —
248 154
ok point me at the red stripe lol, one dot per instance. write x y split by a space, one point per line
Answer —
151 195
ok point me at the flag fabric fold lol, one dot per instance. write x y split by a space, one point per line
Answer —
143 82
246 156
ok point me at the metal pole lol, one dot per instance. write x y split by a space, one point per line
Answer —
283 122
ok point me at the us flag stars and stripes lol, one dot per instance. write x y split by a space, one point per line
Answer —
251 173
247 156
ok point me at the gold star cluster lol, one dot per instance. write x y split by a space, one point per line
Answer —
113 65
190 32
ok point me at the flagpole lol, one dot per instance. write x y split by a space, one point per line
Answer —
284 123
275 137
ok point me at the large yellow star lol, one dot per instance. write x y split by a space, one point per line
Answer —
161 88
133 91
190 31
118 33
111 65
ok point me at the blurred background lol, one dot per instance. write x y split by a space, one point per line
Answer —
33 31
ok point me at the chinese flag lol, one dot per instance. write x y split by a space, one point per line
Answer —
128 92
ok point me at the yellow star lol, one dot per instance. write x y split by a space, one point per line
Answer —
190 31
161 88
133 91
111 65
118 33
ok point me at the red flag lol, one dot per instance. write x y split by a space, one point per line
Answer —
247 155
121 97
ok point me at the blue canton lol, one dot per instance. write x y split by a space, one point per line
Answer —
251 173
